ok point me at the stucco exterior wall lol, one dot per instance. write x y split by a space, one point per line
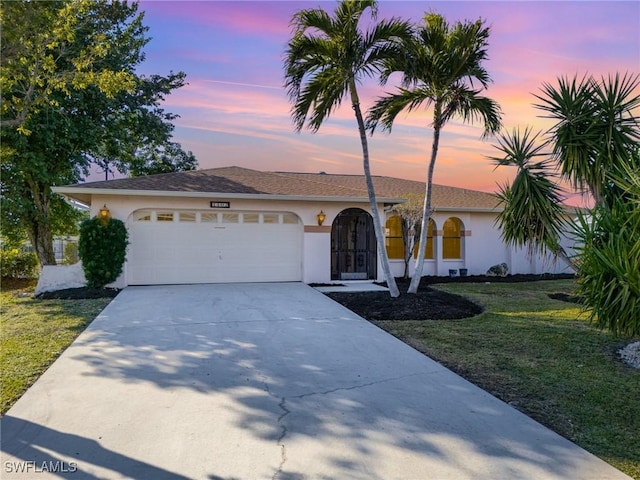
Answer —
481 243
316 261
482 247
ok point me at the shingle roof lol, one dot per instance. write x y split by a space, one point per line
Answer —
237 180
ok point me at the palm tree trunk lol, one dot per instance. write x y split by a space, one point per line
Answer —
382 251
562 255
426 213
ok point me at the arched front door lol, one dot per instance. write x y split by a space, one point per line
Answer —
353 246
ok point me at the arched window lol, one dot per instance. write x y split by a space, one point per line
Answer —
394 243
452 238
429 251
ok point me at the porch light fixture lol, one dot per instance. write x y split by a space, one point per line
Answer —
104 214
321 217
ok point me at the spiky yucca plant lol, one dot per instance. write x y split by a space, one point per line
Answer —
609 259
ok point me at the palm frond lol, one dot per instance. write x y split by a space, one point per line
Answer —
532 215
386 109
326 52
469 105
595 125
519 148
441 63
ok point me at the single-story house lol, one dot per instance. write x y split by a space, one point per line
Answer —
234 224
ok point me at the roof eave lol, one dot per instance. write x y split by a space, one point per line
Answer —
468 209
84 195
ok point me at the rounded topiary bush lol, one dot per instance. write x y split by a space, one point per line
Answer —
102 248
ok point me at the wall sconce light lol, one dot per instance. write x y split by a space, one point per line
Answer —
321 217
104 214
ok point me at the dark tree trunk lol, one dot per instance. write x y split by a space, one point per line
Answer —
39 224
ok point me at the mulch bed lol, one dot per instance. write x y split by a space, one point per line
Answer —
428 303
565 297
80 293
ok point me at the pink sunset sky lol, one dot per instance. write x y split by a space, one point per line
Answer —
235 111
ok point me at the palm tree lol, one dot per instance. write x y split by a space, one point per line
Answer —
533 215
594 144
325 60
595 127
594 135
441 65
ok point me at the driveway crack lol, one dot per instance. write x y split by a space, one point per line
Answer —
355 387
283 433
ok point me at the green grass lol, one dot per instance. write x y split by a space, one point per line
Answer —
33 333
541 356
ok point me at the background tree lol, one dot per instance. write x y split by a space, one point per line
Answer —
441 66
594 144
59 139
162 159
42 54
325 60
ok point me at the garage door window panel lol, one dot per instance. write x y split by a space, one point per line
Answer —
250 218
142 216
209 217
164 217
270 218
230 218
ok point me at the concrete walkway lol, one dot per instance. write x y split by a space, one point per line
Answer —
265 381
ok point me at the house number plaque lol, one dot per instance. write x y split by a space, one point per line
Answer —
220 204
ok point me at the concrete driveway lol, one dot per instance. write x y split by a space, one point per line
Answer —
265 381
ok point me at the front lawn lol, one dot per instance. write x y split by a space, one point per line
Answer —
33 333
537 354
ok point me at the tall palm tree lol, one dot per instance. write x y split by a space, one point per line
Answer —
326 58
441 66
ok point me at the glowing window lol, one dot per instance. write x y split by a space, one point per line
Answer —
394 241
452 238
429 251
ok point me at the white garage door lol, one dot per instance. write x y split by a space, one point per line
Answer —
172 247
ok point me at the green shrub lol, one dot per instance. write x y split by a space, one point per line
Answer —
71 253
102 249
608 267
18 264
